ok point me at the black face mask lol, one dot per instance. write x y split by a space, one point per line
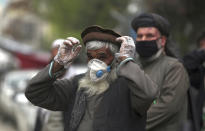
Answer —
146 48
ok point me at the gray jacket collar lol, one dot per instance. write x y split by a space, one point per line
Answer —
146 61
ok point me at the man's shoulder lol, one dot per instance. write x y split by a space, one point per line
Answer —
171 62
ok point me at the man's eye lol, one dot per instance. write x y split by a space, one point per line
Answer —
150 36
102 57
139 36
89 56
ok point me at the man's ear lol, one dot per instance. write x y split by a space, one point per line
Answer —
164 40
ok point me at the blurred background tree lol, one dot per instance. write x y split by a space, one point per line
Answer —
70 17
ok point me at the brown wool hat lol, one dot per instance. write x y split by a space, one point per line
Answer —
98 33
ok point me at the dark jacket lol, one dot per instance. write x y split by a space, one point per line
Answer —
114 113
193 63
123 107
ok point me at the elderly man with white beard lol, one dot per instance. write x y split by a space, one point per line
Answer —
105 98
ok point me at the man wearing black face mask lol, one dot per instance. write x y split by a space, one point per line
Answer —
169 110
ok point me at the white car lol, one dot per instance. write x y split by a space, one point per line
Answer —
13 102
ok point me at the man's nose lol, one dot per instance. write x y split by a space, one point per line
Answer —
144 38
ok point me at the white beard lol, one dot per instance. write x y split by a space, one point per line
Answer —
96 88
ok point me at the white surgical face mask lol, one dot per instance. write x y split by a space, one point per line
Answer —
98 70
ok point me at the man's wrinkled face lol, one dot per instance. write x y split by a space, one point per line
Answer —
102 54
100 85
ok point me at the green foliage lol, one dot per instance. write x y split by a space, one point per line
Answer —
70 17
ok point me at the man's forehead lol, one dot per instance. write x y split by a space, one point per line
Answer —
100 50
144 30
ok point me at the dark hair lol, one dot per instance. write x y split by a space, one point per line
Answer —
151 20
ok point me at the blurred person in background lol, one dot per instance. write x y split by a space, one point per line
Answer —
54 120
109 96
194 63
169 110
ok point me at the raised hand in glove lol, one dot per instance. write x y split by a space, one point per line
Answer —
127 48
67 51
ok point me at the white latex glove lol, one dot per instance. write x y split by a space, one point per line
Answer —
127 48
67 51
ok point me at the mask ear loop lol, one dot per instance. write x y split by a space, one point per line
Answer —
108 68
111 65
